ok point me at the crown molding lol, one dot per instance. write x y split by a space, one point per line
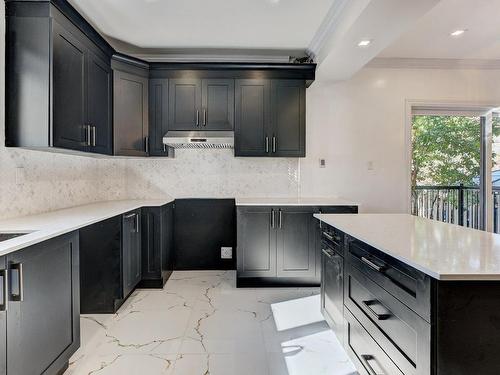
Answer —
432 63
327 27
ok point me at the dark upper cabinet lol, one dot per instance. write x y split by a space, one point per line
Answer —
68 103
157 245
184 104
43 315
256 242
252 125
270 117
296 244
131 251
99 99
217 104
288 106
130 109
201 104
158 116
68 64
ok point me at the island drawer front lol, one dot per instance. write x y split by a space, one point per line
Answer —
410 286
403 334
333 238
367 355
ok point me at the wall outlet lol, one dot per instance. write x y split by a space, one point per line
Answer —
226 252
322 163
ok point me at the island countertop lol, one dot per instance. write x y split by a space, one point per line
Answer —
442 251
51 224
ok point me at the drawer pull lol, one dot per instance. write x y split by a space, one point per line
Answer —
366 358
368 305
376 267
329 254
327 236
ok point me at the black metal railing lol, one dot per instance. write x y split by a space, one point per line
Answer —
451 204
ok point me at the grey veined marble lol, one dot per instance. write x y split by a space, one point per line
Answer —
200 324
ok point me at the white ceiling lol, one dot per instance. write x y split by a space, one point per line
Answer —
242 24
430 36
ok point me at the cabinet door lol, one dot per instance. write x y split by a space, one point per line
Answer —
130 108
289 117
131 255
43 312
3 317
68 105
296 245
332 290
184 103
151 242
252 118
158 116
217 104
256 242
99 105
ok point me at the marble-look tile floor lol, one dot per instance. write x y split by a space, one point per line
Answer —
201 324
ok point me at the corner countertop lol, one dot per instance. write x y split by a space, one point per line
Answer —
295 201
48 225
442 251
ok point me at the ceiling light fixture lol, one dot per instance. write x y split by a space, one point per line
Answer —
458 32
364 43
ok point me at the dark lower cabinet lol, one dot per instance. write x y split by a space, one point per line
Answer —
280 245
256 242
131 251
332 289
157 245
110 265
43 321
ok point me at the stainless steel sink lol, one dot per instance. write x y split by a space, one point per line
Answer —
4 236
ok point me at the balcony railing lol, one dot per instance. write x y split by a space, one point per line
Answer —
454 204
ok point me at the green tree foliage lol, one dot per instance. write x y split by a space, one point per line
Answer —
446 150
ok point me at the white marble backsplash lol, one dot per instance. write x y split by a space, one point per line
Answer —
213 174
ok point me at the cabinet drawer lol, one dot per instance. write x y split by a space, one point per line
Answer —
407 284
368 357
403 334
332 238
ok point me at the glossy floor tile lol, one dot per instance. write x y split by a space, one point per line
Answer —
201 324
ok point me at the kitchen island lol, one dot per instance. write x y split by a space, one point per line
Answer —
408 295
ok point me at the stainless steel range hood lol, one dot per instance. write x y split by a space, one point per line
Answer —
199 139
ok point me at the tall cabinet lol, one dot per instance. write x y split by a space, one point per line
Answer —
68 103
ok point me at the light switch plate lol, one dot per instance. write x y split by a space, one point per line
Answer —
322 163
226 252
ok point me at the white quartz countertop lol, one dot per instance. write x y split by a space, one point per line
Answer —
443 251
296 201
55 223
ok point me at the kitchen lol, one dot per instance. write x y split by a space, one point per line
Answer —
174 195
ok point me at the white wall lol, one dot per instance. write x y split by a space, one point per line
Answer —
353 122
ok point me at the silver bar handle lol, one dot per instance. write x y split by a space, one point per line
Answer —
197 117
204 117
373 265
89 131
365 358
327 253
272 218
129 216
279 219
327 236
267 144
274 143
5 289
17 296
164 148
146 145
94 135
136 223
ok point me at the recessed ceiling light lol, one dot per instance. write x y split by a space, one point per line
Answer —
458 32
364 43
